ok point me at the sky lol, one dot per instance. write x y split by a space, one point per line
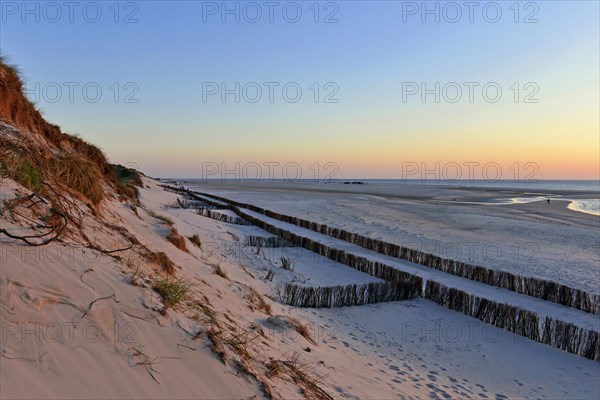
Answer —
306 89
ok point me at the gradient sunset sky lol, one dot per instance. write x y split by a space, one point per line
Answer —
170 52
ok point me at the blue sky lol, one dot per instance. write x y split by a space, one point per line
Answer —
368 54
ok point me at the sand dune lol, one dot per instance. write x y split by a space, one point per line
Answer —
115 343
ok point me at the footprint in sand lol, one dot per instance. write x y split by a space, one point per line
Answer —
437 392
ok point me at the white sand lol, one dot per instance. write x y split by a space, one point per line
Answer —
384 351
546 241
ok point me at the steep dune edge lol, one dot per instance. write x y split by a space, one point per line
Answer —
73 327
101 297
75 318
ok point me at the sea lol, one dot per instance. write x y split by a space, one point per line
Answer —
534 190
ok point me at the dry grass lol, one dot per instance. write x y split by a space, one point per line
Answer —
79 174
216 339
163 261
195 239
90 151
240 341
143 360
136 270
302 329
177 240
203 313
218 270
162 218
127 181
301 373
258 301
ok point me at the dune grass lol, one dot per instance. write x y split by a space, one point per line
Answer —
177 240
79 174
174 237
258 301
127 181
301 373
162 218
22 170
173 291
218 270
163 261
195 239
70 170
143 360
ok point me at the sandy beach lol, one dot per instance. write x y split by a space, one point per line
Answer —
406 349
536 239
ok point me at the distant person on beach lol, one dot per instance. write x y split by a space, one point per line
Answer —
548 200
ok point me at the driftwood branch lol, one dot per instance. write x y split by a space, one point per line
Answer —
55 232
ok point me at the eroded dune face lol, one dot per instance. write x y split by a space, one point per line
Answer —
95 313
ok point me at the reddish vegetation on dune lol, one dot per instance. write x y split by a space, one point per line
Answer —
40 156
